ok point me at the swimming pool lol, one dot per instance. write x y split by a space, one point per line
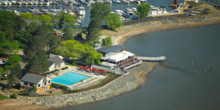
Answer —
69 78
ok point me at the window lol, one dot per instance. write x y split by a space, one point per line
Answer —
49 82
25 83
31 84
45 83
38 85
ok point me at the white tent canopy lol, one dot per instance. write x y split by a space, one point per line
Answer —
120 56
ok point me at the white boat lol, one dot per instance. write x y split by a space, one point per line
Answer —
47 3
117 1
75 3
9 3
100 1
53 10
134 9
119 12
31 3
35 2
86 2
80 10
108 1
13 2
0 3
41 2
131 1
143 1
125 1
19 3
44 10
4 2
157 11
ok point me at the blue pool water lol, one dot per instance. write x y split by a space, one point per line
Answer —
69 78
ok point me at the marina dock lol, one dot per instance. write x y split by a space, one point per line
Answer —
152 59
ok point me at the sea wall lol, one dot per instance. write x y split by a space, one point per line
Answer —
116 87
175 21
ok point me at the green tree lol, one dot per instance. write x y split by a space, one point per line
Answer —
99 10
69 19
93 30
14 59
98 13
26 36
39 64
89 55
70 49
113 21
13 96
54 43
14 75
107 41
143 10
66 19
68 33
26 15
77 51
7 47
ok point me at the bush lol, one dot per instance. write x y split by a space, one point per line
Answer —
64 68
59 86
2 97
13 96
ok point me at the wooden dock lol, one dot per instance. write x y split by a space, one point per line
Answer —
152 59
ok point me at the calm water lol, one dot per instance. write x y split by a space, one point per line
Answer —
177 85
86 18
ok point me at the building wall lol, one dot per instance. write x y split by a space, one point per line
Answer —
41 88
52 67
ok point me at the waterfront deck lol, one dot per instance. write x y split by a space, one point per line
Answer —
152 59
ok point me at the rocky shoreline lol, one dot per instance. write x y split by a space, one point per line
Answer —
128 31
118 86
137 75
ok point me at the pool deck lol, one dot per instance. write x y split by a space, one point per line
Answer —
94 78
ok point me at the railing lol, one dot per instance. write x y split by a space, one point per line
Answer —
144 58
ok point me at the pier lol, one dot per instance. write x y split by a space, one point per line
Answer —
152 59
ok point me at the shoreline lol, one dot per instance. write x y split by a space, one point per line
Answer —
123 35
122 84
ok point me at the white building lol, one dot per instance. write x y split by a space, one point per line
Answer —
55 62
42 83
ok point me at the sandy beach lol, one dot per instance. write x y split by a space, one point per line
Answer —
122 36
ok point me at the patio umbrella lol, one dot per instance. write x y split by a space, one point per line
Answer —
103 71
95 69
87 67
82 67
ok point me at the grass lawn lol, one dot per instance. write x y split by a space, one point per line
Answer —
2 97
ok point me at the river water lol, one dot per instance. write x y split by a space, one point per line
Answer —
86 19
188 79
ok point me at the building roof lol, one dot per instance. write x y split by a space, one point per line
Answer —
56 60
109 49
32 78
120 56
108 64
50 63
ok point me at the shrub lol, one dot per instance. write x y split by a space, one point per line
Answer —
64 68
59 86
2 97
13 96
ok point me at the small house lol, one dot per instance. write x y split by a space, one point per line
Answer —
42 83
55 62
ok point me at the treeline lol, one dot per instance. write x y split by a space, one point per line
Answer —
37 39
